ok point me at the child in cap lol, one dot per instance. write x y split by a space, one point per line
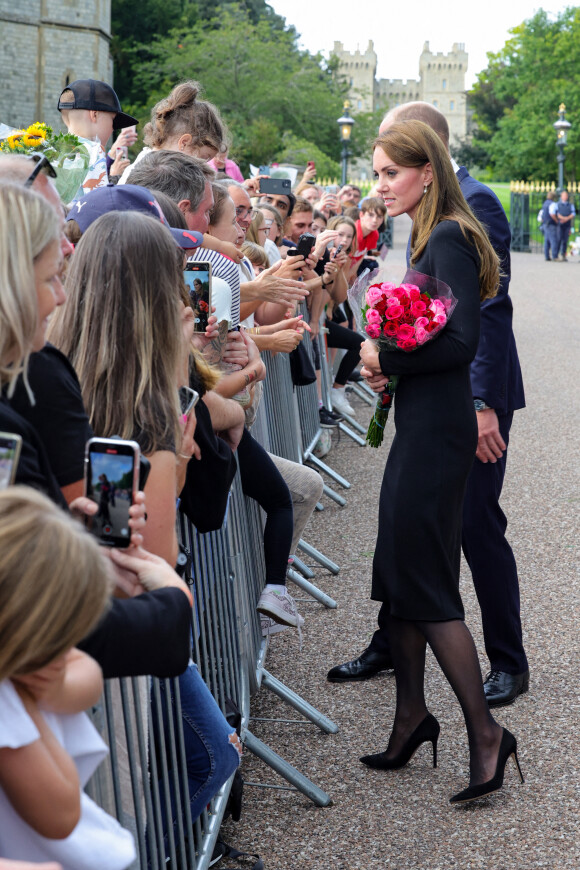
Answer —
91 110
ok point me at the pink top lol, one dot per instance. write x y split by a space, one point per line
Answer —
232 169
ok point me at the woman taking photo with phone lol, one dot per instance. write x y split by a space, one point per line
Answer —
417 557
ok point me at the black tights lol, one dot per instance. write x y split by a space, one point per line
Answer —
262 481
455 652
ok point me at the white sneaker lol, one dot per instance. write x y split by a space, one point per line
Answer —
280 606
269 627
340 402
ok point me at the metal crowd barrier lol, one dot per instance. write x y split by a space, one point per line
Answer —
142 776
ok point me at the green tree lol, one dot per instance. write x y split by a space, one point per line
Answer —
263 84
516 99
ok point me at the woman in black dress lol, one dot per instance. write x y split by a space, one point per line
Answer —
417 557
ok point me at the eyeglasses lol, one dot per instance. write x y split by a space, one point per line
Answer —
43 164
245 213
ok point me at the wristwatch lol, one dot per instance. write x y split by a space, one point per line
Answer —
480 405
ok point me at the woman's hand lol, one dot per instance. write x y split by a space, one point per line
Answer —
323 239
119 164
257 369
340 260
200 340
126 138
376 382
139 571
236 351
188 447
370 357
285 341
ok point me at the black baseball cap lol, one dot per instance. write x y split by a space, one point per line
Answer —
127 197
98 96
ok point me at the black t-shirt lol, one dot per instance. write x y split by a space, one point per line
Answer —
33 466
58 415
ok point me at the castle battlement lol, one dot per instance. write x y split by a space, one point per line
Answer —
441 82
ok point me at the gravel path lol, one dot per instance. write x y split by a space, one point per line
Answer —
402 819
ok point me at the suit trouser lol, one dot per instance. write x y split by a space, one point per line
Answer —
492 564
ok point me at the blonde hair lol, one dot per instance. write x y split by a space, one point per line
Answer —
413 143
257 223
54 581
256 254
181 112
28 224
335 222
121 328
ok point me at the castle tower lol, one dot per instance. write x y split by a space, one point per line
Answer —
360 70
44 45
443 85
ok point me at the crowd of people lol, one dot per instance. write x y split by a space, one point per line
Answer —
97 335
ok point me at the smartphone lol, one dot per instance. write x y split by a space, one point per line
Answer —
331 188
275 185
111 480
124 151
198 281
188 399
10 445
311 164
338 250
305 244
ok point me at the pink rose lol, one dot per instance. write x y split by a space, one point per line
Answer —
405 331
372 330
421 323
412 291
437 307
373 317
394 311
440 318
406 343
374 295
418 308
388 287
421 335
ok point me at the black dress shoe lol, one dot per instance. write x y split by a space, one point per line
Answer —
367 665
501 688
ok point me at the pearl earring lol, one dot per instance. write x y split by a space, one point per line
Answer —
425 189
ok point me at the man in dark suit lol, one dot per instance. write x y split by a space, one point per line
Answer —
497 392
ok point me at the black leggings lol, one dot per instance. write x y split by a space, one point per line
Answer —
340 336
262 481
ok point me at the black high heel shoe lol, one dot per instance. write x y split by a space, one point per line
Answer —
508 747
426 732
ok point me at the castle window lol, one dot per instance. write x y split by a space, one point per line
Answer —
451 105
359 104
460 66
444 84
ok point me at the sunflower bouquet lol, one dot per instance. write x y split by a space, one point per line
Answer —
68 155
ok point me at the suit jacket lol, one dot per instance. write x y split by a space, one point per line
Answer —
495 372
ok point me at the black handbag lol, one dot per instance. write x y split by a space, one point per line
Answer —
204 498
301 367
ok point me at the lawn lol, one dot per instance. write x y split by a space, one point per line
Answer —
502 191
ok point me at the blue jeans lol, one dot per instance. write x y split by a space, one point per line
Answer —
211 756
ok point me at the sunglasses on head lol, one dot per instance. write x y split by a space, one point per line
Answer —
43 164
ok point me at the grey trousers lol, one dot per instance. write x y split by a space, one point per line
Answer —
305 487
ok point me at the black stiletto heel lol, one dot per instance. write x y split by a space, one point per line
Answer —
426 732
508 747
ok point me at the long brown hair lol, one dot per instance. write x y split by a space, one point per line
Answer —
413 143
121 328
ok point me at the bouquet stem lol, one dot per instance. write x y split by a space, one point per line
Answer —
376 430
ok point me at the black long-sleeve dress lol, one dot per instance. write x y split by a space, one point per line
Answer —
417 556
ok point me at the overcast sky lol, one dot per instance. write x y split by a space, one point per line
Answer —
400 29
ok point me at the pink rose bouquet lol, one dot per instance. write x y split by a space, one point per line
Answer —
399 317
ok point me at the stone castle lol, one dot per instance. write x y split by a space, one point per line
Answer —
44 45
441 82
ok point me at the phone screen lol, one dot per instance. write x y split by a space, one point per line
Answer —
10 445
198 282
111 467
